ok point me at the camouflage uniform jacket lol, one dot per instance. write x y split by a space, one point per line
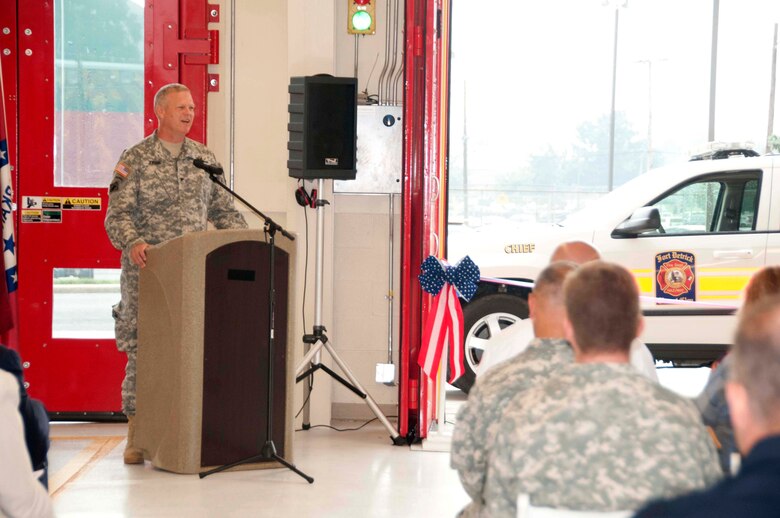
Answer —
599 437
478 418
154 196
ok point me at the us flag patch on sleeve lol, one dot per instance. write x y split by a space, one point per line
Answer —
122 170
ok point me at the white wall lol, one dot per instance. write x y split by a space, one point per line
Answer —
362 237
274 40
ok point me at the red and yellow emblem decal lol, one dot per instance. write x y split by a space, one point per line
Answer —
675 275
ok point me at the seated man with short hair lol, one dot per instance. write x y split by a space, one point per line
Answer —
598 435
478 418
753 396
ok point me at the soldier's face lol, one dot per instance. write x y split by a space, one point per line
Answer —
176 114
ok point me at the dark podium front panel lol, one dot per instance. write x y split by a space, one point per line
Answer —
236 352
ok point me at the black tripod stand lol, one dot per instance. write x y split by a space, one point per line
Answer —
269 448
318 339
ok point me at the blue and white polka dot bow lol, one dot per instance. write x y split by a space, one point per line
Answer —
444 320
464 276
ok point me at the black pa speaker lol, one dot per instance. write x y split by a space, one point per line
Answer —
322 129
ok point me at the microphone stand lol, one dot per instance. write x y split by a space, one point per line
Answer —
269 448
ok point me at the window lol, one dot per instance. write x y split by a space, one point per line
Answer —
82 302
99 88
530 117
747 218
719 204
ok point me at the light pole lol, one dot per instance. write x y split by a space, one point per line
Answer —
713 67
772 82
618 4
649 63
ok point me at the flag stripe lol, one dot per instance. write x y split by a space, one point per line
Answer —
9 285
443 327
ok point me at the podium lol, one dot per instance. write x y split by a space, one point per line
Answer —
203 329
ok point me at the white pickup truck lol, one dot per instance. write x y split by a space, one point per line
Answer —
692 234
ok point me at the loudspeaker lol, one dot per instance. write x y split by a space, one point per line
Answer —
323 127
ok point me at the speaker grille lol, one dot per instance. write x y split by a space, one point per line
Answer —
322 127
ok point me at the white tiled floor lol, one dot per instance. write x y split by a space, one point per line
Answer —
356 474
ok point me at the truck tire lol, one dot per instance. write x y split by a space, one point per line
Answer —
482 319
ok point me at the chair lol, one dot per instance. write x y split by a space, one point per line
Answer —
526 510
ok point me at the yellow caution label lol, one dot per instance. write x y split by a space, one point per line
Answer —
81 203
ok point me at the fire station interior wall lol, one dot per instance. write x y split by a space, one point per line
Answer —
274 40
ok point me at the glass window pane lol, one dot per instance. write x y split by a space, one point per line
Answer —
747 218
531 101
663 83
82 302
745 43
689 210
99 73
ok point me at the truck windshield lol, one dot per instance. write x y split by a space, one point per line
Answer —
633 189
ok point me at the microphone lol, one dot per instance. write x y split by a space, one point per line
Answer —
209 168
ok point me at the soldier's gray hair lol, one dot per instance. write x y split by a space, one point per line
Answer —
549 284
162 93
757 358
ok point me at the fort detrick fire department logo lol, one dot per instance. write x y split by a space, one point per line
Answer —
675 276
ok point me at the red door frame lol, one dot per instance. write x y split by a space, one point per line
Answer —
423 215
81 377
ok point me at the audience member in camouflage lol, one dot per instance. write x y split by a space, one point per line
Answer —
598 436
601 437
157 194
478 418
753 396
475 427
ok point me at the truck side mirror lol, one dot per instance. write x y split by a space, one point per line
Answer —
642 220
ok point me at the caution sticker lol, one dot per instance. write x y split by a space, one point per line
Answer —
41 202
51 203
675 276
39 215
81 204
31 215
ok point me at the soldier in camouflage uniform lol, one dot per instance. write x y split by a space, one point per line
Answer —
598 436
157 194
478 418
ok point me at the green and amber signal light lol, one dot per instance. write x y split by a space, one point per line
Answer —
360 16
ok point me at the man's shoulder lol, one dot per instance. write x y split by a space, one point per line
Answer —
193 147
725 500
141 151
10 361
527 369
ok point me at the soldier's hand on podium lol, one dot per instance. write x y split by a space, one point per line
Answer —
138 254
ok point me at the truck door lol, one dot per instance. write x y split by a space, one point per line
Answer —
713 237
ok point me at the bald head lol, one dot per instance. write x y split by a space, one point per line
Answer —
578 252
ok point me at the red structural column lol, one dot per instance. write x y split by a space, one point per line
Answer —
422 201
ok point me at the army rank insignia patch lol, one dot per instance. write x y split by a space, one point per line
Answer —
675 276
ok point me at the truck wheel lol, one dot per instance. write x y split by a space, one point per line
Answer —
484 319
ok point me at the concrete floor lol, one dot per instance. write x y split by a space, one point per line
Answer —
356 474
